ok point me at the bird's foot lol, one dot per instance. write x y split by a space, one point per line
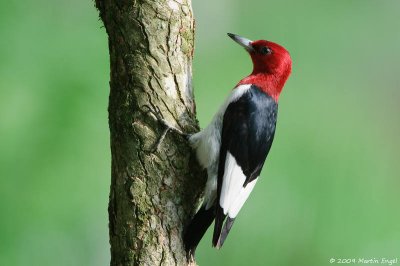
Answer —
167 127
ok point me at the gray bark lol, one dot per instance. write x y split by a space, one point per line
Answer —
155 185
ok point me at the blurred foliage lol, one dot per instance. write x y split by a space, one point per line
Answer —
330 187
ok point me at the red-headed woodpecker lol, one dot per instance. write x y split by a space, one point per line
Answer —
234 146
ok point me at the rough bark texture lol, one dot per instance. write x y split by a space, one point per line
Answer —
154 188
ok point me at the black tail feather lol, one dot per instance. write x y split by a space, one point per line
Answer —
219 221
225 231
197 228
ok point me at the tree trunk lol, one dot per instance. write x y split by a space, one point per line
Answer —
156 181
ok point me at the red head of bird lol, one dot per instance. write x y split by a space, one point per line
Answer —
272 65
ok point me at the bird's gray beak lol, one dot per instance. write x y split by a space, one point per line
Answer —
246 43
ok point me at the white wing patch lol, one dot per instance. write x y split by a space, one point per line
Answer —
233 194
241 199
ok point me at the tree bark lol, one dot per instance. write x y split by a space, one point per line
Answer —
156 182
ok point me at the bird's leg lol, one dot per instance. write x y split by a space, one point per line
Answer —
167 127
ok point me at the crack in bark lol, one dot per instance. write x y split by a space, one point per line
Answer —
143 29
142 163
171 113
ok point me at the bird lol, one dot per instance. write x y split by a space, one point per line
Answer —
234 146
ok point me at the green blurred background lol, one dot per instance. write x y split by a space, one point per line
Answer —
330 188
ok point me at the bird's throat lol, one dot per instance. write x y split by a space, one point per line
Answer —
268 83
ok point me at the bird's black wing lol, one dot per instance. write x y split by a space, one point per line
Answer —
246 138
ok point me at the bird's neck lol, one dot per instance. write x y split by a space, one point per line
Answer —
269 83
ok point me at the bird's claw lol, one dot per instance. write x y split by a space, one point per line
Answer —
167 127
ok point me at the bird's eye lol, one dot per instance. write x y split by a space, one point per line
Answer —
265 50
